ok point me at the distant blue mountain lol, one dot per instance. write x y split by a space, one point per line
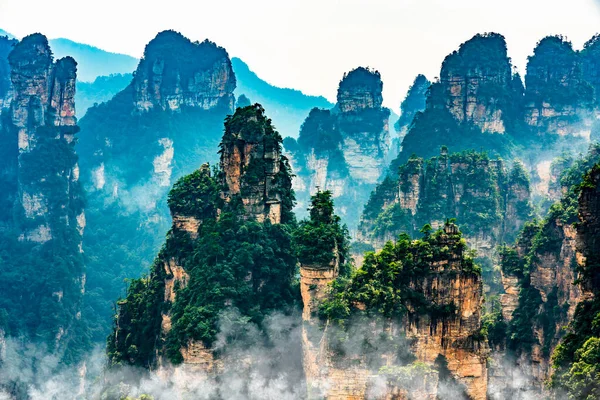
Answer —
102 89
93 62
286 107
4 33
102 74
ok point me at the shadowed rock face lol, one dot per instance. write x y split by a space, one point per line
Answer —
43 97
41 197
558 98
176 72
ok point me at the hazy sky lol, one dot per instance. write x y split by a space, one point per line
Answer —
309 44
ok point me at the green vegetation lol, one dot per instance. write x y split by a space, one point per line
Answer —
469 186
361 77
235 262
128 182
321 238
413 103
554 75
387 283
41 282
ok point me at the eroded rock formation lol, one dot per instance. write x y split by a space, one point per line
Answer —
491 202
432 338
177 73
42 218
42 115
343 150
558 99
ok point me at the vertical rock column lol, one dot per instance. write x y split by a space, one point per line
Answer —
324 379
453 338
43 111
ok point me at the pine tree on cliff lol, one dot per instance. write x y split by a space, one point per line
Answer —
321 238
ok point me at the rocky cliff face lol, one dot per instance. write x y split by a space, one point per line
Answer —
475 88
42 218
177 73
363 124
251 165
43 102
444 347
558 99
6 46
135 146
343 150
475 100
489 202
244 208
544 284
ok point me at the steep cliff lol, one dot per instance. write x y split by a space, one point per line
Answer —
6 46
472 105
558 98
343 150
491 201
42 218
478 103
229 251
413 103
407 323
135 146
541 275
175 72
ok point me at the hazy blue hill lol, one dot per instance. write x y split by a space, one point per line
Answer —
102 89
286 107
4 33
92 61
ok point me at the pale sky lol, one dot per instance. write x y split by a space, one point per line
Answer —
309 44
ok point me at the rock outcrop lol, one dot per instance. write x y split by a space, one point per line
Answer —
558 99
6 46
343 150
490 203
445 347
251 191
177 73
363 124
475 99
135 146
43 105
42 218
474 87
250 164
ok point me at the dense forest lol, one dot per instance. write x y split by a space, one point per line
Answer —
172 243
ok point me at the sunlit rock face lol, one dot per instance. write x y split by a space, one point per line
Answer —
343 150
333 376
250 164
475 85
175 73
